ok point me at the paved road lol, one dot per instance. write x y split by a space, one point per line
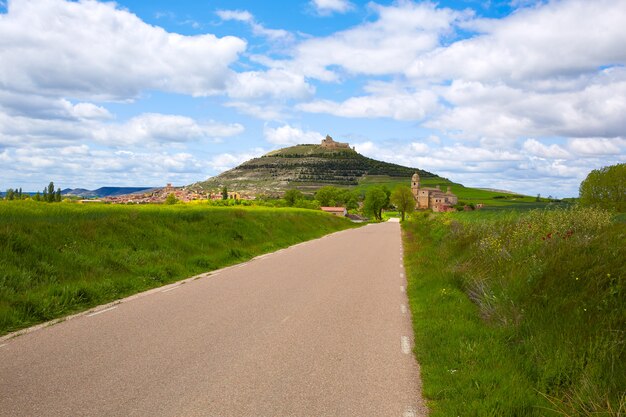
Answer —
319 329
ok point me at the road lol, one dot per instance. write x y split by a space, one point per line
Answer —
318 329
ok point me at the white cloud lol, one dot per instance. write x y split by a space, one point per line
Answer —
288 135
327 7
40 107
74 150
598 146
238 15
543 71
93 50
559 38
257 28
420 148
181 162
225 161
82 166
387 45
479 109
18 131
90 111
276 83
536 148
447 161
399 106
163 128
144 129
260 111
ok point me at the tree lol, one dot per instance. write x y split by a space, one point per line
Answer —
352 203
57 195
171 199
387 196
292 196
403 199
224 193
50 193
375 200
333 196
10 194
37 197
326 195
605 188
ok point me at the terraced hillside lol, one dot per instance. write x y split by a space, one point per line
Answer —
306 167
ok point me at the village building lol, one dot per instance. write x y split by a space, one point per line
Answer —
337 211
329 143
232 195
432 198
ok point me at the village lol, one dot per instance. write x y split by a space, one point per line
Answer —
160 195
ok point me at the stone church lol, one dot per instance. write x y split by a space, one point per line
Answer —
432 198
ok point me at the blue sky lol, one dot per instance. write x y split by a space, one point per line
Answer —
521 95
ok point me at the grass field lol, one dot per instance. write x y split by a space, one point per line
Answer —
519 313
56 259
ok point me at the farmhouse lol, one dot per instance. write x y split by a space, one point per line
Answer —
432 198
337 211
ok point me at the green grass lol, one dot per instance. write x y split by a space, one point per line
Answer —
57 259
388 214
519 313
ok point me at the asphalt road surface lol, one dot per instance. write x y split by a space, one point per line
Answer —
318 329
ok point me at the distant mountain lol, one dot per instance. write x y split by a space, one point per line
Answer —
78 192
103 191
306 167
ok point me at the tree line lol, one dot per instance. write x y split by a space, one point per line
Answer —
48 195
372 202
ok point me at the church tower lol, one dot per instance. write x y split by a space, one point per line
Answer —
415 184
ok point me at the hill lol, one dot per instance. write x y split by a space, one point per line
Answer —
102 191
310 167
306 167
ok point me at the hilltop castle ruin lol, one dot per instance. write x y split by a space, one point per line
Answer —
432 198
329 143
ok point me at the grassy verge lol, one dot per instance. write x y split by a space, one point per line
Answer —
57 259
520 314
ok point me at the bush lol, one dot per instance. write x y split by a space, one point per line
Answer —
171 199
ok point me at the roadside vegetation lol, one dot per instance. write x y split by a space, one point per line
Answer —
519 313
57 259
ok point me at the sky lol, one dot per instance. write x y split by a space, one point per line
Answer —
520 95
